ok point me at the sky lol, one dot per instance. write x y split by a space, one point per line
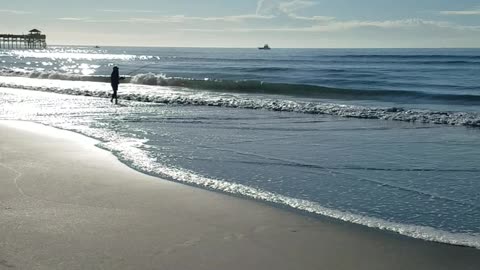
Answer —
249 23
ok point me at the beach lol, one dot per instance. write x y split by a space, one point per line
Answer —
220 158
66 204
266 134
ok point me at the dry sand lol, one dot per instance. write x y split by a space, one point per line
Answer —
65 204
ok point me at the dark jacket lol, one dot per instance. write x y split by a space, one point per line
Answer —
115 77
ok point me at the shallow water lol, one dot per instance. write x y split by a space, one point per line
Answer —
385 174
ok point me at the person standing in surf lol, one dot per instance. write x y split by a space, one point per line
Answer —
115 81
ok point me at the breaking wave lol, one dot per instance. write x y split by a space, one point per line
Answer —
260 87
52 75
303 90
469 119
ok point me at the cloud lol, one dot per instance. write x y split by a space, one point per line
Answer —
126 11
266 10
314 18
279 16
265 6
276 7
405 23
473 11
288 9
339 26
461 12
72 19
16 12
293 6
171 19
183 18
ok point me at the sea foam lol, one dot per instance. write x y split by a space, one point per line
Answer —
176 96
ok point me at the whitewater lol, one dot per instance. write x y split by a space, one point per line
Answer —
383 138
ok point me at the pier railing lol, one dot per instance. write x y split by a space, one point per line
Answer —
30 41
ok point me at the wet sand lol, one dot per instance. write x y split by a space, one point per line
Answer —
66 204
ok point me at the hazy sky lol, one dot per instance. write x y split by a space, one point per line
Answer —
249 23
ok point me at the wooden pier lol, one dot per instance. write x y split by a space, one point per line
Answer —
34 40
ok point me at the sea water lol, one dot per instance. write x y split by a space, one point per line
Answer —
384 138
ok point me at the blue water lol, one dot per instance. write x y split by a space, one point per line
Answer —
385 138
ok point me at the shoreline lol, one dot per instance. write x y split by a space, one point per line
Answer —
67 204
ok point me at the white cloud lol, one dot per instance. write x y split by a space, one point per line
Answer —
338 26
472 11
314 18
265 6
461 12
16 12
72 19
276 7
281 16
288 9
266 10
126 11
293 6
172 19
183 18
317 23
406 23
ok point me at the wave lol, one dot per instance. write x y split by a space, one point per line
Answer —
260 87
407 56
303 90
71 54
53 75
267 69
445 62
469 119
343 59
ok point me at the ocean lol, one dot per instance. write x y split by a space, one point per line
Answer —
385 138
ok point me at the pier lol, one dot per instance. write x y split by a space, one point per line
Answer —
34 40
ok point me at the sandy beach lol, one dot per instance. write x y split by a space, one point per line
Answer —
66 204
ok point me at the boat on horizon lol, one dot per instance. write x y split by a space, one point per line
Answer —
265 47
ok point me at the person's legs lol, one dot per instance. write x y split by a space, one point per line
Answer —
114 95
